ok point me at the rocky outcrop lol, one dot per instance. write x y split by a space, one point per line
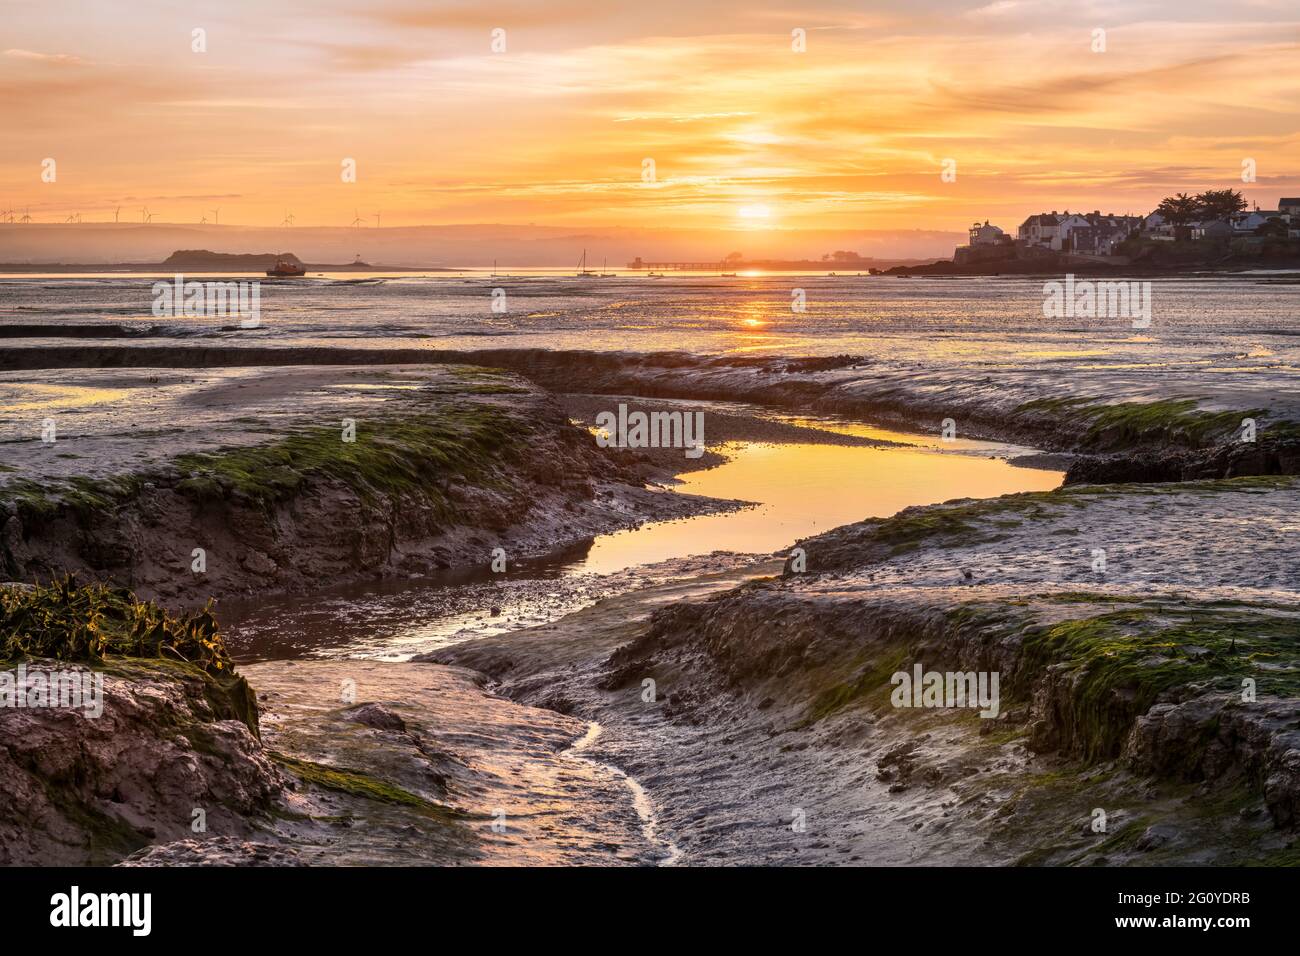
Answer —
1206 737
169 753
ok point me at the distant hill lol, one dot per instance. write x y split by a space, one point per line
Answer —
195 259
207 261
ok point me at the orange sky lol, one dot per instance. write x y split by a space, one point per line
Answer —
743 130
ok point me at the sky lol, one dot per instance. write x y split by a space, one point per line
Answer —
648 114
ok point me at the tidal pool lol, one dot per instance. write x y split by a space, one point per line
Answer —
797 489
803 490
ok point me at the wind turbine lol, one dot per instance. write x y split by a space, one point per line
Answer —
203 221
27 215
116 213
356 219
216 217
287 220
146 216
376 220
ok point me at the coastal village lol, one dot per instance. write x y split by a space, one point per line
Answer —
1216 217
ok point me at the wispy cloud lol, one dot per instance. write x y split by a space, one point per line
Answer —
850 132
42 57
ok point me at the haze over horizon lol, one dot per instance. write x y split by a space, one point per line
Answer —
746 134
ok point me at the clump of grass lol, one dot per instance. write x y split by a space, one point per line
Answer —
1122 661
389 456
91 623
915 526
872 678
43 499
358 784
1123 424
907 530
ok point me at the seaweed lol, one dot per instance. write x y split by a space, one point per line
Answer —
90 623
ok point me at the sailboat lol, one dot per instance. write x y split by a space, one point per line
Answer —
583 271
604 264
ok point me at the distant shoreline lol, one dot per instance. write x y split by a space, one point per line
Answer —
1060 265
135 268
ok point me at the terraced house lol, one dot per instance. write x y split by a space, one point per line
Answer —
1092 233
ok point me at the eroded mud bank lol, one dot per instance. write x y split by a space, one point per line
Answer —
291 478
771 734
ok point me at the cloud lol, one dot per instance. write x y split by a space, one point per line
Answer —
43 57
555 129
998 8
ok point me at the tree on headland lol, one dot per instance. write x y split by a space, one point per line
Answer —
1220 203
1180 210
1212 204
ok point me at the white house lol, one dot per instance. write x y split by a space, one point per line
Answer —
985 235
1051 230
1245 223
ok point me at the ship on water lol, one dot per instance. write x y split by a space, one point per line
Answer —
286 268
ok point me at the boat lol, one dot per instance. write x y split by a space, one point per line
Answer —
285 269
604 264
583 271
